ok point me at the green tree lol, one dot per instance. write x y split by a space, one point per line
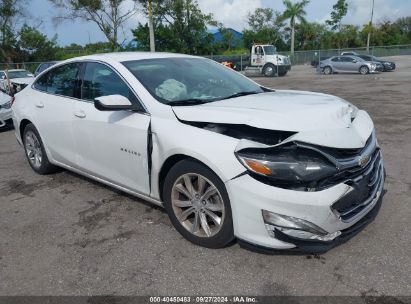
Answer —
108 15
311 36
11 11
179 26
35 46
339 11
294 12
228 42
264 26
403 26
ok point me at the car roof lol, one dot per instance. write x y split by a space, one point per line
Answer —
130 56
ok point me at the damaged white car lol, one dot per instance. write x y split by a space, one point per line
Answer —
227 158
13 81
5 110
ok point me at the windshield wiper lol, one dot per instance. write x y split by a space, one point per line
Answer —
188 102
239 94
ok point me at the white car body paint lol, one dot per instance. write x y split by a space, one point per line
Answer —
5 108
79 137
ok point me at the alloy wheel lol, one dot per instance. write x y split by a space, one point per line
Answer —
33 149
198 205
364 70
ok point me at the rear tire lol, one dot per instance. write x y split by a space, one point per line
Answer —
364 70
35 152
197 203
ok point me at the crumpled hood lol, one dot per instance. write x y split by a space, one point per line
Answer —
318 118
25 80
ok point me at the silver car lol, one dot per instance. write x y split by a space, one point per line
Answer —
348 64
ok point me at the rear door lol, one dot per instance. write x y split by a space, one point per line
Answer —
111 144
337 64
54 100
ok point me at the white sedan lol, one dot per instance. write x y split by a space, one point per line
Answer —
226 157
5 109
13 81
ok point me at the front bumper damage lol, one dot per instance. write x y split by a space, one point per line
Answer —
303 246
341 210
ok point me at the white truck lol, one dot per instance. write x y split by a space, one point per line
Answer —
265 61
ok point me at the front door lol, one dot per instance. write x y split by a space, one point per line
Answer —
111 144
349 64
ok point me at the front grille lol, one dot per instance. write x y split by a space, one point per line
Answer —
366 187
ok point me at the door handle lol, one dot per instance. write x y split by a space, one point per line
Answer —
80 114
40 104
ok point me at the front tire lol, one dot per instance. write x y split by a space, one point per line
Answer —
269 70
364 70
35 152
197 203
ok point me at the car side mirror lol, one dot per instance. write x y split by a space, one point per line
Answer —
113 103
355 61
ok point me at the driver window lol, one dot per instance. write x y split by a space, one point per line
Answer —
347 59
100 80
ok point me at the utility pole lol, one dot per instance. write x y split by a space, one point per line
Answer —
370 28
150 27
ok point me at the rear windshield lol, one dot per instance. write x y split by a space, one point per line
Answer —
19 74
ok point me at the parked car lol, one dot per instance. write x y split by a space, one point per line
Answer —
351 53
386 65
18 80
348 64
315 62
226 157
5 110
44 66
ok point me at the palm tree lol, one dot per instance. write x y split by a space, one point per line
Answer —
294 11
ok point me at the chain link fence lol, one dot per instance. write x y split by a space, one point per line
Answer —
241 61
29 66
313 56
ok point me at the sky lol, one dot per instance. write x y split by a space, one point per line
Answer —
232 13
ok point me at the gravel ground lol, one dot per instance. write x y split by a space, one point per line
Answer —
67 235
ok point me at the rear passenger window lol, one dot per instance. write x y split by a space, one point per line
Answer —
63 80
100 80
335 59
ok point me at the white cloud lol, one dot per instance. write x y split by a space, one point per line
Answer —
360 11
232 13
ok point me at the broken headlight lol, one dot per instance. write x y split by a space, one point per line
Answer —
287 165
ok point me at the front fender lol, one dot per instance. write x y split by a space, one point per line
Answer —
171 137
